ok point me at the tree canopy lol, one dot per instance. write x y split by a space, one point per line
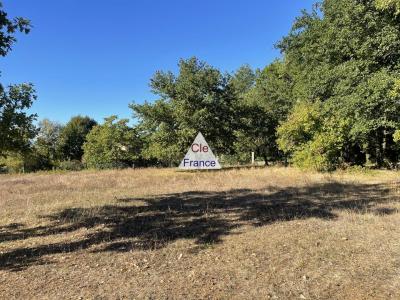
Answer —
16 127
111 145
73 136
345 55
199 98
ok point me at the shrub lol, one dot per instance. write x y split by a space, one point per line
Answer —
322 153
111 145
70 165
12 163
28 162
300 127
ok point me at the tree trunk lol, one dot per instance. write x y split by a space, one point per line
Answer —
379 148
265 159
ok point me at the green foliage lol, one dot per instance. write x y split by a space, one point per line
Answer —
303 136
46 143
17 162
388 5
396 136
157 127
70 165
320 154
15 123
300 127
243 80
344 57
12 163
237 114
111 145
199 98
8 28
259 111
332 100
73 136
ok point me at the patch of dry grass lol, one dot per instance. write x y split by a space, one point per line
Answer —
234 234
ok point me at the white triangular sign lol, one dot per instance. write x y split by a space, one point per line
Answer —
199 156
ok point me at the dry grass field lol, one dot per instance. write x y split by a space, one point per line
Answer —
276 233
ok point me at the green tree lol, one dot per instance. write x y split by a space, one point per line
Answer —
199 98
243 80
8 28
112 144
16 128
73 136
301 125
345 55
260 110
15 123
46 143
312 137
157 127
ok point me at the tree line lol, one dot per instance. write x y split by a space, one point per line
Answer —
332 100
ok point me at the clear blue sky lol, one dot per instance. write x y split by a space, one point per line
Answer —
94 57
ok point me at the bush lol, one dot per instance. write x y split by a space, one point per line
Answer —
320 154
111 145
28 162
70 165
12 163
300 127
308 159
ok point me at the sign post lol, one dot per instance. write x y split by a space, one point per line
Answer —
199 156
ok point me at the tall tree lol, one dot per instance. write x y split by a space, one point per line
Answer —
15 123
46 143
260 110
73 136
199 98
346 55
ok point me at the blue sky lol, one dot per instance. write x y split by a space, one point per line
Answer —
94 57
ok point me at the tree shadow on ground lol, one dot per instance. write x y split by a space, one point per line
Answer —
152 223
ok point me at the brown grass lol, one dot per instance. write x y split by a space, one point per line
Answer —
274 233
